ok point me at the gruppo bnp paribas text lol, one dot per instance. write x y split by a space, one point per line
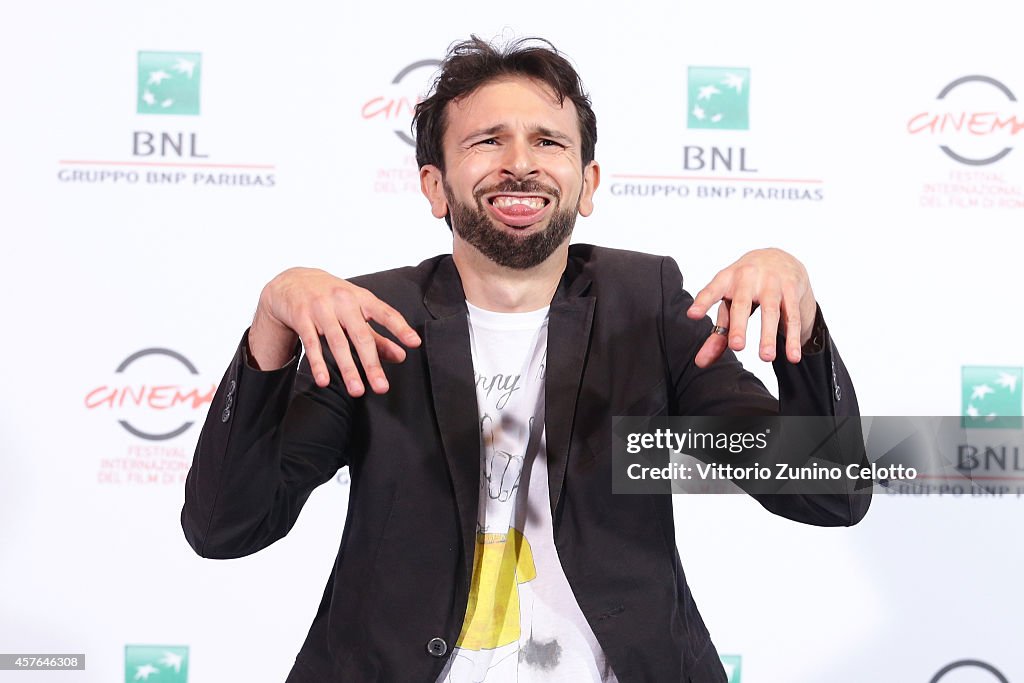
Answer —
736 443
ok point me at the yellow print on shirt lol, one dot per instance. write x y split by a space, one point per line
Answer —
501 562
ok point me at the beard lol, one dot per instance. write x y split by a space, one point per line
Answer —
475 225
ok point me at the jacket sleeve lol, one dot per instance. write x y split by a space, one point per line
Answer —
818 385
269 439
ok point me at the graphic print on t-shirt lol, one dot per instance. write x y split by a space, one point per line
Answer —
503 559
502 469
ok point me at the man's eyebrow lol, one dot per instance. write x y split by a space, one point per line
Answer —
554 134
486 132
501 128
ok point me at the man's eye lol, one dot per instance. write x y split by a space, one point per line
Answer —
488 141
549 143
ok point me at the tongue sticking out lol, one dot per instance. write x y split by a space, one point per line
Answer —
518 210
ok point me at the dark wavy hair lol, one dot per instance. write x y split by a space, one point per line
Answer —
473 63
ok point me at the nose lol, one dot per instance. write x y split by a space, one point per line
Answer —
519 161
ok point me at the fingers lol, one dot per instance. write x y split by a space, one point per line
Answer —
355 312
371 346
715 345
361 335
736 287
770 310
313 303
392 320
388 350
794 325
715 291
310 339
771 279
337 341
739 313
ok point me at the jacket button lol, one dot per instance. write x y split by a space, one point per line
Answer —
839 393
437 647
226 415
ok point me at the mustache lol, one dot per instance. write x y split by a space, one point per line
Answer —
520 186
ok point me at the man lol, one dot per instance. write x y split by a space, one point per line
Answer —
482 541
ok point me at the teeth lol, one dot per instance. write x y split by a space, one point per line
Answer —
532 202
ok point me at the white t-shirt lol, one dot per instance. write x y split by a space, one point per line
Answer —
522 622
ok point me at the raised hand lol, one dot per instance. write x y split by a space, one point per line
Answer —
771 279
307 303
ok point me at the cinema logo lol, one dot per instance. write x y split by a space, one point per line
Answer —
975 121
156 395
717 161
391 110
168 150
969 671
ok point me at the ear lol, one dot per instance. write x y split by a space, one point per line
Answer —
591 179
432 187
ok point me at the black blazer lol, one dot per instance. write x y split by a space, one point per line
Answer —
619 343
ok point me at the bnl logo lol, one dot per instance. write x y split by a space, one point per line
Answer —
163 663
991 397
718 98
733 667
169 83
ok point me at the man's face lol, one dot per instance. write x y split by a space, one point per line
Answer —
514 179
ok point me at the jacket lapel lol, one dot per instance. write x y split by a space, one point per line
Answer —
450 363
569 321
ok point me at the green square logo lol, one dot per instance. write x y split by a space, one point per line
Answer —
732 666
991 397
169 83
718 98
156 663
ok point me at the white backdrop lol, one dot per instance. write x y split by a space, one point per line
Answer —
913 256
